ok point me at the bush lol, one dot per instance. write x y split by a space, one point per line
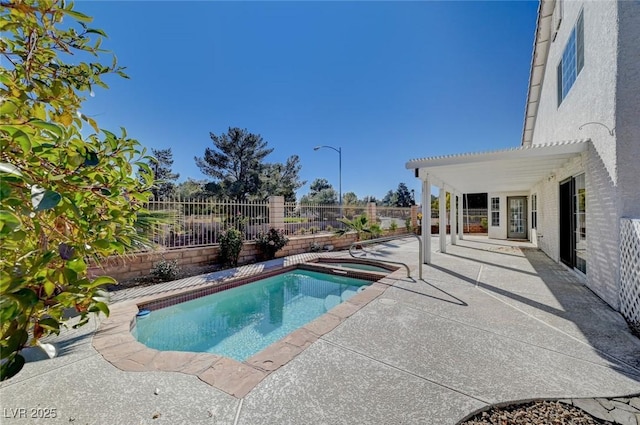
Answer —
393 226
70 190
484 223
230 247
375 231
166 270
407 224
271 242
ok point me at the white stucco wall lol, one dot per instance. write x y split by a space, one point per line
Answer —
548 231
628 109
591 98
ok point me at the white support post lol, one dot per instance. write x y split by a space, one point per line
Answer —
454 219
442 218
426 221
460 217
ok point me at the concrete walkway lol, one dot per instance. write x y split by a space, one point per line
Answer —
492 322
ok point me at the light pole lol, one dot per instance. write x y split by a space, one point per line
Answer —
339 150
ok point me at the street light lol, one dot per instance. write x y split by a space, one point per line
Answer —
339 150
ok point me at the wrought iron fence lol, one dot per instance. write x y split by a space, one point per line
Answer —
300 219
200 222
394 217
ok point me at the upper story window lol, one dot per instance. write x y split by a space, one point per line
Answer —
572 60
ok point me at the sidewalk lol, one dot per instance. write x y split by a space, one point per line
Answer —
491 323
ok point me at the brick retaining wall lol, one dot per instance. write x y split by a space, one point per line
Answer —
132 266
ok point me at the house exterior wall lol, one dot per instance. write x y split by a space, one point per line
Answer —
628 108
547 190
592 98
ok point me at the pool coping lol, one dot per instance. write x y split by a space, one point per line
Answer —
117 345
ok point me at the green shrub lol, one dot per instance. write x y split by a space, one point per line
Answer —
70 190
407 224
271 242
230 247
393 226
166 270
484 223
375 231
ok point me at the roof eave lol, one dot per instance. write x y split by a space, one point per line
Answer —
541 44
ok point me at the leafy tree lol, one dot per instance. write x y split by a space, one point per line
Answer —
160 166
321 193
318 185
350 198
390 199
281 179
435 202
368 199
403 196
190 188
65 197
235 163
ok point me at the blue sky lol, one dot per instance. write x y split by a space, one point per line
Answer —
385 81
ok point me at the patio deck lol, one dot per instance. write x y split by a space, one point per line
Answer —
493 321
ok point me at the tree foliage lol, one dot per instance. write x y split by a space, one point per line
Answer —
164 177
65 197
190 188
350 198
281 179
390 199
321 192
403 196
359 224
235 162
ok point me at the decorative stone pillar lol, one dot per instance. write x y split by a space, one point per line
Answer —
276 212
372 212
414 217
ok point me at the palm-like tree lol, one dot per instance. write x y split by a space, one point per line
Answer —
359 224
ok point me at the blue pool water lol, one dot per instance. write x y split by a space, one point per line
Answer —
242 321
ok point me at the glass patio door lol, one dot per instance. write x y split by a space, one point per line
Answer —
517 217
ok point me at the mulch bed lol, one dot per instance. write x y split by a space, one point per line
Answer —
535 413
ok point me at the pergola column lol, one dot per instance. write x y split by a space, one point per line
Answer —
426 221
442 217
454 219
460 218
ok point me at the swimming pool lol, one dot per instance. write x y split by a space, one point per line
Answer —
242 321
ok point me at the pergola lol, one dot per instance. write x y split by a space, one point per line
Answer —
507 170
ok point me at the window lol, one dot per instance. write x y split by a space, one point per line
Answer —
495 211
534 211
572 60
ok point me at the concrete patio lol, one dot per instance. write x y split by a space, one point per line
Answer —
492 322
